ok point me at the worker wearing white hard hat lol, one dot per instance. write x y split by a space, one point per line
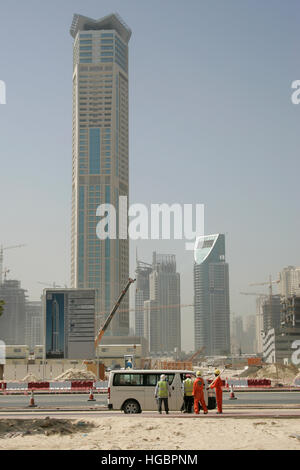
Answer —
162 393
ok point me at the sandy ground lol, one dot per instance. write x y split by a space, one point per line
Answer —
134 433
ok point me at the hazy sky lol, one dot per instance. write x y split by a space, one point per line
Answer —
211 121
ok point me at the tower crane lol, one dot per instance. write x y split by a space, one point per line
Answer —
270 284
2 256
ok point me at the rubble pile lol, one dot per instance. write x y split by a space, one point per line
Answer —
76 374
275 372
30 378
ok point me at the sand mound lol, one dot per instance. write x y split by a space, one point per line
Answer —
76 374
277 372
30 378
48 426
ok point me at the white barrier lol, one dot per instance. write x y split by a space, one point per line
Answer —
100 384
16 386
60 385
238 382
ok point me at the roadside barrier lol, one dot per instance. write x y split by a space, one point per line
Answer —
55 387
101 386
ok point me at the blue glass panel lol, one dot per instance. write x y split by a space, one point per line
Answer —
94 151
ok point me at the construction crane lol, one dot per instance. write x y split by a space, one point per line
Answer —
113 311
270 283
5 272
2 256
254 293
196 354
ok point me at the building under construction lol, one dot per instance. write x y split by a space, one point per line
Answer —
280 342
12 321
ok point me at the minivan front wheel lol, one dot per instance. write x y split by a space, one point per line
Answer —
131 406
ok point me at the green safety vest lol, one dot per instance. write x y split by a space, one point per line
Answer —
162 389
188 387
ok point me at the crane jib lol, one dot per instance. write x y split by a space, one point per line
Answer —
116 306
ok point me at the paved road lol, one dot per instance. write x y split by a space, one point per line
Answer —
75 401
81 400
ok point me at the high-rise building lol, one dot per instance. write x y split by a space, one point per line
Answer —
211 297
33 324
12 321
157 304
100 159
259 323
163 315
290 281
69 323
142 293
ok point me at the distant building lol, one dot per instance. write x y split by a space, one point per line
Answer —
211 297
243 335
271 309
249 326
157 304
142 293
259 324
12 321
33 324
290 281
69 323
236 334
164 333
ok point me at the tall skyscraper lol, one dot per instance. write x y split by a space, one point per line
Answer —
211 297
12 321
33 324
142 293
162 322
100 158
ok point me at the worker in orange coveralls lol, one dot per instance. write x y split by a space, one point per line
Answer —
217 384
198 393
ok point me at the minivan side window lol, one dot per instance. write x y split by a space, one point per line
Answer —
152 379
128 379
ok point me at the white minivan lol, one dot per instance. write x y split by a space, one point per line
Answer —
132 391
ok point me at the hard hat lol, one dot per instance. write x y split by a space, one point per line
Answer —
162 377
217 372
198 373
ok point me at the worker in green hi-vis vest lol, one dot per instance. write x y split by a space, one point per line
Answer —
162 393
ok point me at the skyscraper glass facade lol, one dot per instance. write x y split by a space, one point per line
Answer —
211 297
100 158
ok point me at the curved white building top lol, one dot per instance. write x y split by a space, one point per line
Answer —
206 245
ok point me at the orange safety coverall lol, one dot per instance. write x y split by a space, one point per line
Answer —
217 384
199 395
